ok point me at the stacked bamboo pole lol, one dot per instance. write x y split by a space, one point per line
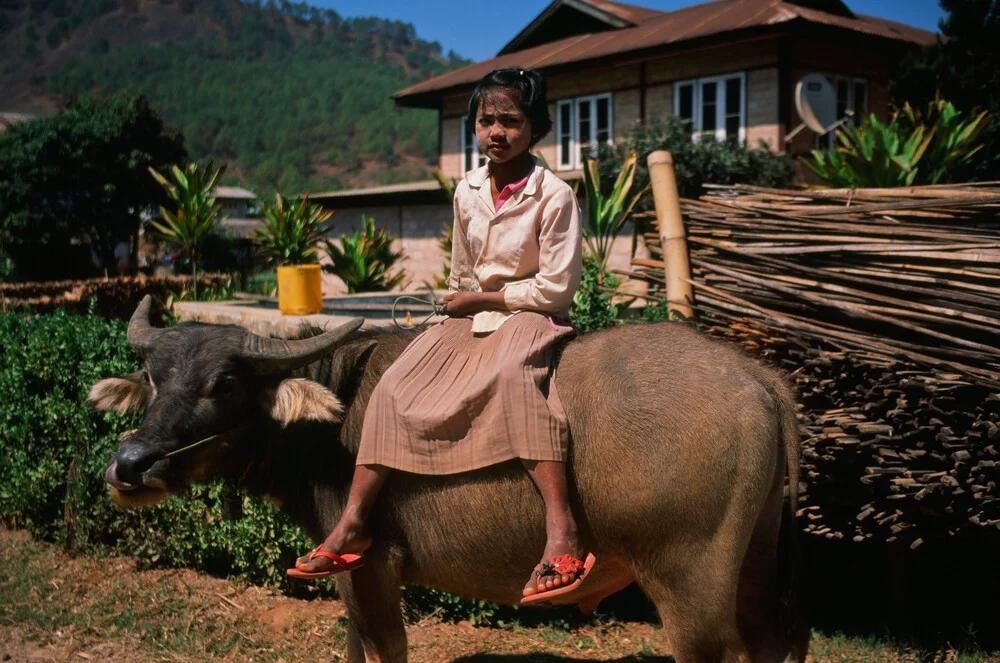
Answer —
884 306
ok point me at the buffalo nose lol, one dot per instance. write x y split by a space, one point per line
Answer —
132 461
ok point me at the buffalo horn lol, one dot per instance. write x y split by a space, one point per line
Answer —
141 334
273 355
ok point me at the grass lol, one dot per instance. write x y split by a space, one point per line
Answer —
159 613
53 606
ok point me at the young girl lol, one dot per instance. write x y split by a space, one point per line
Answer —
473 391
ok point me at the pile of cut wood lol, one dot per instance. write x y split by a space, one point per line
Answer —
884 305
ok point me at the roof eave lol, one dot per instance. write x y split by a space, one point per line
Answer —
432 98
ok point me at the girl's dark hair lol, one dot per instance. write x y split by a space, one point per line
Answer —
529 84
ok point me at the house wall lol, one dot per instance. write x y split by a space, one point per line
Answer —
843 59
758 58
762 109
712 61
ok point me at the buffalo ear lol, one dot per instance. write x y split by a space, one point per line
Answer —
124 395
298 399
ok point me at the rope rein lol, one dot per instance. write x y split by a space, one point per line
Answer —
438 308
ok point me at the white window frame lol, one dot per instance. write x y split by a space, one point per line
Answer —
828 140
720 104
476 158
575 157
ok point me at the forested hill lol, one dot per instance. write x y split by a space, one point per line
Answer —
290 96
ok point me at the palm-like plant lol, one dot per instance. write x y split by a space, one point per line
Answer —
364 260
292 230
912 148
606 214
194 211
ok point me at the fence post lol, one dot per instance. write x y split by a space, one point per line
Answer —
677 268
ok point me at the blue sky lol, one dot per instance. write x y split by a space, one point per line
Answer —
477 29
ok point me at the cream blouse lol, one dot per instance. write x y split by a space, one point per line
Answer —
530 248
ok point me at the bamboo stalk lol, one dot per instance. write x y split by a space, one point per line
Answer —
672 235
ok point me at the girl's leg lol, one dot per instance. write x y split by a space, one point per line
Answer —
560 527
350 535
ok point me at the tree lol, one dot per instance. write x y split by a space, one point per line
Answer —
193 211
76 183
964 69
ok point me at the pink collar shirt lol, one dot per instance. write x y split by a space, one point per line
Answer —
528 245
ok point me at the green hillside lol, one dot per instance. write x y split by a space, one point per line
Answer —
290 96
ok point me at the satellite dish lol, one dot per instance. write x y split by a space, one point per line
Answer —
816 102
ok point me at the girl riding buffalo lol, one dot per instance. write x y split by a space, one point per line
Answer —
475 389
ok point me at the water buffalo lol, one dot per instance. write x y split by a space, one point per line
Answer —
680 446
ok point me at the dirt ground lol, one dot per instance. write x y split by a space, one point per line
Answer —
58 608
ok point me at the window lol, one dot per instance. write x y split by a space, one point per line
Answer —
581 125
852 95
471 156
714 106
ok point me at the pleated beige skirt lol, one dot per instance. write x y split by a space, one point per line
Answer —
455 401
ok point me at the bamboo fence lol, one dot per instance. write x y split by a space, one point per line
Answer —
883 305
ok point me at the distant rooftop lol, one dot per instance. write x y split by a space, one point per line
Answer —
233 193
10 118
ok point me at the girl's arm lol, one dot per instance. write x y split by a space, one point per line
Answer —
560 260
461 256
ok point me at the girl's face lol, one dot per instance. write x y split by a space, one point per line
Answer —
503 131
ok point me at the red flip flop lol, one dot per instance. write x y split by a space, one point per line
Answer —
341 563
559 565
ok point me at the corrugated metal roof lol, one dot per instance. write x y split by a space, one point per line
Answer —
710 18
233 192
626 12
406 187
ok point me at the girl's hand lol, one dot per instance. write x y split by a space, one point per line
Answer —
460 304
463 304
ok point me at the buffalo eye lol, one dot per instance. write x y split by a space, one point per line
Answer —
226 386
144 376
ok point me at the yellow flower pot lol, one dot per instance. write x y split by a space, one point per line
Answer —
300 289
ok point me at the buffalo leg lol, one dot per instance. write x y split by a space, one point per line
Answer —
699 616
375 619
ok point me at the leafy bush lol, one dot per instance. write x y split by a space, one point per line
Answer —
696 163
592 307
55 450
364 260
912 148
91 160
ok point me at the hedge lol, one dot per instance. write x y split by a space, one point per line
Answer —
56 448
110 298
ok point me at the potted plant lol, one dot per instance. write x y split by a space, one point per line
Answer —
288 237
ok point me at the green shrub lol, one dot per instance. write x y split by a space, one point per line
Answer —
696 163
55 449
592 307
365 260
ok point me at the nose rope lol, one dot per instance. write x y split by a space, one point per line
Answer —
196 444
127 434
439 308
